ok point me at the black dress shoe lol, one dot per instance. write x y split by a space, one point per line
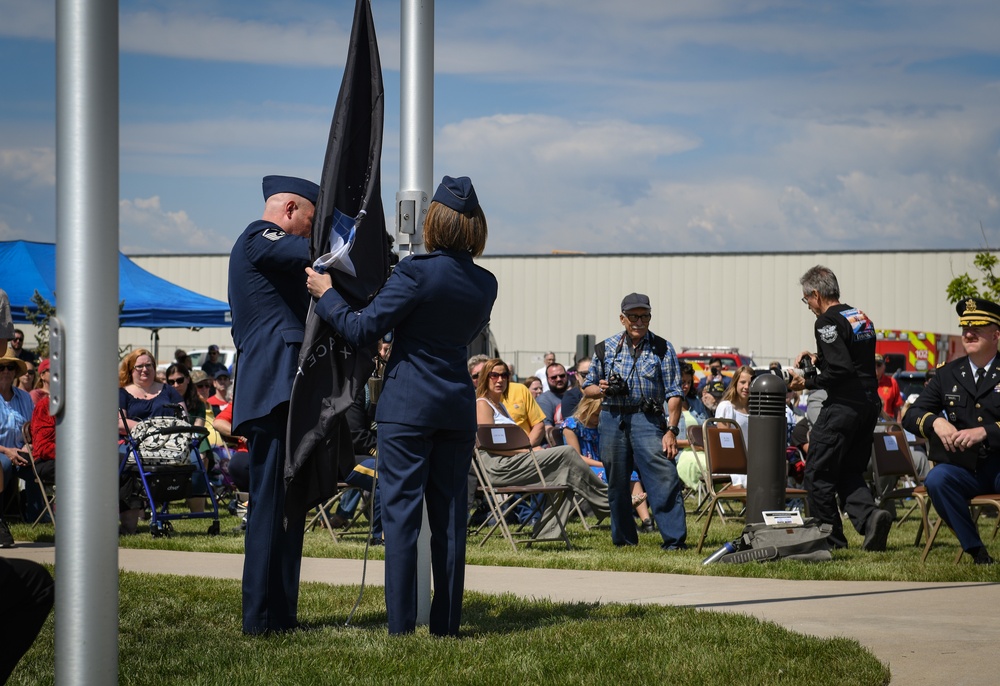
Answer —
877 530
982 557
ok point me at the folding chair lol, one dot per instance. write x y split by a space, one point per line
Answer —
977 504
322 516
501 500
725 454
48 491
892 458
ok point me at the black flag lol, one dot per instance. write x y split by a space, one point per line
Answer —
349 215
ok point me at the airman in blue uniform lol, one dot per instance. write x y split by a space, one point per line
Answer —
269 309
436 305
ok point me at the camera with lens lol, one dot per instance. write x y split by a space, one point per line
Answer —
617 387
648 406
807 367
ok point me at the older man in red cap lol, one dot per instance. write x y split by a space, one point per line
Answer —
967 392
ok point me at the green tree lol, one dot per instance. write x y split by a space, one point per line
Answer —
987 286
39 317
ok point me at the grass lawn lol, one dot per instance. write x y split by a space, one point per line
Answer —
185 630
593 550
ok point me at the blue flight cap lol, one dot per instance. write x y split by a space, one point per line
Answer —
290 184
458 194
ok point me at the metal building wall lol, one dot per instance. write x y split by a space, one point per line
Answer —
745 301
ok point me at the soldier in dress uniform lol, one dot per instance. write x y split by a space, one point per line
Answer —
967 392
269 309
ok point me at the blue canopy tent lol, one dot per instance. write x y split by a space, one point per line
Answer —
150 302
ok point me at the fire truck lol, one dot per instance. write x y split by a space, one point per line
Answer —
915 351
699 358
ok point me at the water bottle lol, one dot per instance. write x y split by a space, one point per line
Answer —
726 548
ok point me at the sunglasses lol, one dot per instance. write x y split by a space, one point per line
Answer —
18 339
557 376
7 367
176 382
638 317
499 375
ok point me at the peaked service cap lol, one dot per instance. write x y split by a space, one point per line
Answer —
977 312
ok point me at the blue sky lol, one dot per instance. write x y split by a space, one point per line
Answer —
631 126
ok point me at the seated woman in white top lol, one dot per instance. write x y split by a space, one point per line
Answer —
735 404
560 466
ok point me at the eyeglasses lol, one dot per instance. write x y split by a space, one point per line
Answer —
30 372
18 339
7 367
638 317
805 298
143 366
176 382
557 376
499 375
205 386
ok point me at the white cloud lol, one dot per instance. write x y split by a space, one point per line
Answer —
145 226
33 166
226 39
28 18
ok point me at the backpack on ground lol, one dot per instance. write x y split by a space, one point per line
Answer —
807 542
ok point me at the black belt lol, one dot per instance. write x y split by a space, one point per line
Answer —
633 409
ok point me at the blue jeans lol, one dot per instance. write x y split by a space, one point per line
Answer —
8 471
634 441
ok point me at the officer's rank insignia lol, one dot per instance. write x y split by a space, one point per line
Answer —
273 234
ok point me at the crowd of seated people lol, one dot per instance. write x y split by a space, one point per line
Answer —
559 423
498 401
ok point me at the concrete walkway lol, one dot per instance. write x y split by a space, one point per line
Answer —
928 633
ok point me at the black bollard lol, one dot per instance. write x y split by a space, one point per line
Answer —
767 469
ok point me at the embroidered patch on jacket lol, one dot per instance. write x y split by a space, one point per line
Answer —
861 325
273 234
828 334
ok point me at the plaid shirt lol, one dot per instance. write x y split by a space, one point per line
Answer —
647 375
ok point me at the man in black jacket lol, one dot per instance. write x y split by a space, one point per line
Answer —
841 439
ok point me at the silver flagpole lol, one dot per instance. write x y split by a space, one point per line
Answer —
416 179
85 341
